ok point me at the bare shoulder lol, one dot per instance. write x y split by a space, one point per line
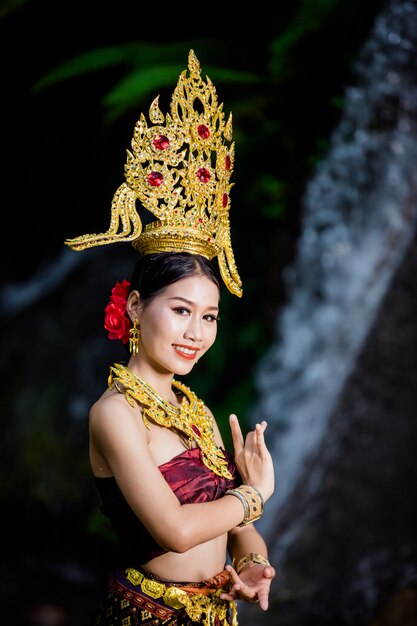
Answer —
113 410
117 433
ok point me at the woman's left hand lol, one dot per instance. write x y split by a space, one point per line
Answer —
251 585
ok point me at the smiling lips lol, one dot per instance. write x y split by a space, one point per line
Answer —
185 351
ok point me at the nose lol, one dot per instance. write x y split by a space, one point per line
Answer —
193 331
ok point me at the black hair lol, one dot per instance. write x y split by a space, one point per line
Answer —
154 272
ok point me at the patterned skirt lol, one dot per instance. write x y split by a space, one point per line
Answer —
135 597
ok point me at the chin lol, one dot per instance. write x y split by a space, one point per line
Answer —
183 368
176 369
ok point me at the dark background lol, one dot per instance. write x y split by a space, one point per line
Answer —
64 140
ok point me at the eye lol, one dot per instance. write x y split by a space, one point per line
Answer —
211 318
180 310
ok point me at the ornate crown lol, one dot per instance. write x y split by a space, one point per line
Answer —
180 172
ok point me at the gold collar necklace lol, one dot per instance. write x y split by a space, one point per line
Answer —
190 417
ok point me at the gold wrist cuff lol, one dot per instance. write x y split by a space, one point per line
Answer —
249 559
252 501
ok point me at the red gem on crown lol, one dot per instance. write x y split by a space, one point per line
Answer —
227 162
203 131
161 142
225 199
155 179
203 175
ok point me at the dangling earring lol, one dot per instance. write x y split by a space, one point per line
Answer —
134 333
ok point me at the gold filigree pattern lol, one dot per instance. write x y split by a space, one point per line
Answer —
207 609
179 168
190 418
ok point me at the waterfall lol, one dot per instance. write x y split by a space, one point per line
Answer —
359 217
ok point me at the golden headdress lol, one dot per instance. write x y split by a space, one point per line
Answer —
180 172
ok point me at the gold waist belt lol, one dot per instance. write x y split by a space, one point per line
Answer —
201 601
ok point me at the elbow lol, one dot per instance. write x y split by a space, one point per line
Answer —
179 540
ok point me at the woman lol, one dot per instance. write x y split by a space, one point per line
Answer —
182 535
178 500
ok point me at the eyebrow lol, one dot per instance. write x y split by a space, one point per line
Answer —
191 303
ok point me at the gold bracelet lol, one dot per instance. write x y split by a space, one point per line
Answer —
252 501
249 559
255 503
241 497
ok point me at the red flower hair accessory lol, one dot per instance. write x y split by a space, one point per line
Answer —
116 321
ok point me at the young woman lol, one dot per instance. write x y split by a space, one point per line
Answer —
175 522
180 502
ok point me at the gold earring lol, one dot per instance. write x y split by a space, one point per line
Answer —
134 333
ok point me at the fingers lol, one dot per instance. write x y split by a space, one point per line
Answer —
238 584
263 597
239 588
250 591
237 436
229 596
244 592
260 429
269 572
259 439
233 574
263 593
255 438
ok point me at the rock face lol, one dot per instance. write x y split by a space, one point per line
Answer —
353 542
339 386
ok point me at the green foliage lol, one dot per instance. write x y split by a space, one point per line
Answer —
9 6
99 525
148 68
284 83
268 193
310 16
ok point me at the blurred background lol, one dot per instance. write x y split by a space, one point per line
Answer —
323 343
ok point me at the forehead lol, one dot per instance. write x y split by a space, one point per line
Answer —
197 289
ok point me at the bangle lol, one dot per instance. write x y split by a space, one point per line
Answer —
252 501
249 559
241 497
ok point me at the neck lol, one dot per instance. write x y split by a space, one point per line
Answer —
160 381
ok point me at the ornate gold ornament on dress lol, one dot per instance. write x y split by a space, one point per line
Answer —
190 418
208 609
180 172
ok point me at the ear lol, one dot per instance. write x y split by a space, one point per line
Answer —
134 306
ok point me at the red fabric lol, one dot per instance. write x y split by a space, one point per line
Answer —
192 481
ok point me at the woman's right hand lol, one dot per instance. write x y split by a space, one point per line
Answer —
252 457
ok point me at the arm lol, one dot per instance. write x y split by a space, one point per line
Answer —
253 581
121 439
246 539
